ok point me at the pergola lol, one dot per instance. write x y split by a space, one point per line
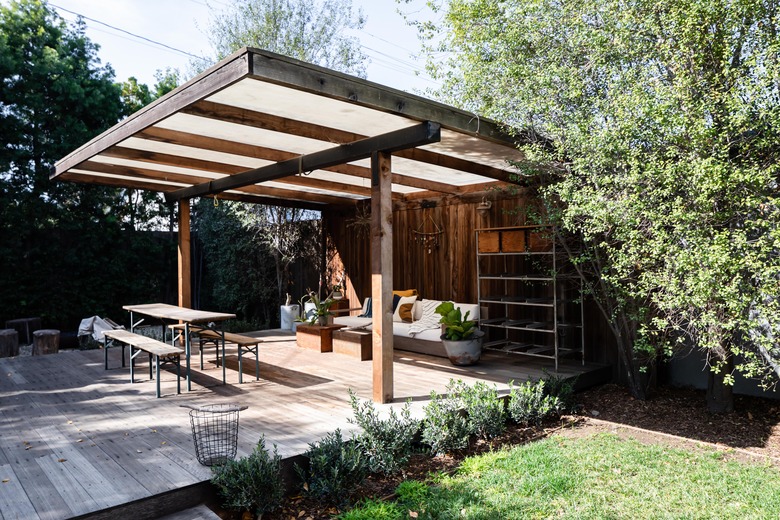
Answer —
264 128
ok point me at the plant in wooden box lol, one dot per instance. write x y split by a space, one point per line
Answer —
462 340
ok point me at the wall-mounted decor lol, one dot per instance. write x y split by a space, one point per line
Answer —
428 234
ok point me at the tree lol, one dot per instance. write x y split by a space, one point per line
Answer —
309 30
661 121
56 237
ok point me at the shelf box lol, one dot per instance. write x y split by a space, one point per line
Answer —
539 242
489 242
513 241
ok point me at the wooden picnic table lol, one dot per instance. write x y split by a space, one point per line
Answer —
191 318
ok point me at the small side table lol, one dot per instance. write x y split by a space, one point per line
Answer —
25 327
316 337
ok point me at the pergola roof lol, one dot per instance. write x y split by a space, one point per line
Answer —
231 129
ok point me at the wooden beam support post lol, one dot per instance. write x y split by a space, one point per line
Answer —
382 276
185 255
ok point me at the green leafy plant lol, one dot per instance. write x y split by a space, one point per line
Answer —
321 307
252 483
486 412
445 426
387 443
456 326
335 469
531 403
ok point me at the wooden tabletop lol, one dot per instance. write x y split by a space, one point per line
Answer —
172 312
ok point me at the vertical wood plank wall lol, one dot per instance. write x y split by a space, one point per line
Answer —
449 270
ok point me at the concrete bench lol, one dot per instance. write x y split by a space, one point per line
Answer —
158 351
245 344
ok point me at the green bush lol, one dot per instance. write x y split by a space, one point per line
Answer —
386 444
562 388
486 412
251 483
531 403
335 469
445 426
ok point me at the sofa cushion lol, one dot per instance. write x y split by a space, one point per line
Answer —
403 311
408 292
352 321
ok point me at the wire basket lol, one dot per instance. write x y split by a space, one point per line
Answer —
215 432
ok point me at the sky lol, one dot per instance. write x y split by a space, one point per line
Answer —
181 26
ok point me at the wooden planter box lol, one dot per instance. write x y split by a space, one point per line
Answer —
513 241
354 343
489 242
316 337
539 242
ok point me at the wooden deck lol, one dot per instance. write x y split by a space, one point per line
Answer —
77 440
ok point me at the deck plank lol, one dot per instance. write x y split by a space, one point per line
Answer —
14 501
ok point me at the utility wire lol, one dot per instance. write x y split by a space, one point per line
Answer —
127 32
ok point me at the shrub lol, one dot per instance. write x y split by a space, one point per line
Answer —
562 388
445 427
385 444
531 403
335 469
486 412
251 483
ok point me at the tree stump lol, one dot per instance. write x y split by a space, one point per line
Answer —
9 343
46 341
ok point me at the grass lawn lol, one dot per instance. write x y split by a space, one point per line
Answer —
597 477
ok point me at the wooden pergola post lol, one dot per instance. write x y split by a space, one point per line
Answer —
185 255
382 276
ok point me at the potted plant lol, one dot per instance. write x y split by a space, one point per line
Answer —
315 309
462 340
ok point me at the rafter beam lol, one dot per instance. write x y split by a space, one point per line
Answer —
165 135
410 137
251 118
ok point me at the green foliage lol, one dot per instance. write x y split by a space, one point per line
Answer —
374 510
657 123
315 31
252 483
59 240
532 403
386 444
486 412
335 469
321 307
445 427
456 327
223 249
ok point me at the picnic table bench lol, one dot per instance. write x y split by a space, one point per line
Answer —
158 351
246 344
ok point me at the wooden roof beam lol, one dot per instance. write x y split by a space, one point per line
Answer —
165 135
227 169
246 117
417 135
143 173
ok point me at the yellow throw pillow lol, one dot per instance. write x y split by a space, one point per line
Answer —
406 293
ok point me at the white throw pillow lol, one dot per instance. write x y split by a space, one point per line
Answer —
405 300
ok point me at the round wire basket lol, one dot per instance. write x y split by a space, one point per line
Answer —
215 432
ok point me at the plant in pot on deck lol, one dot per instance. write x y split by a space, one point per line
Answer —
316 311
462 340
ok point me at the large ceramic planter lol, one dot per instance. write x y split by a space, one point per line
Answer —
464 352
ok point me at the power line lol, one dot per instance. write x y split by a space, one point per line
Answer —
128 32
